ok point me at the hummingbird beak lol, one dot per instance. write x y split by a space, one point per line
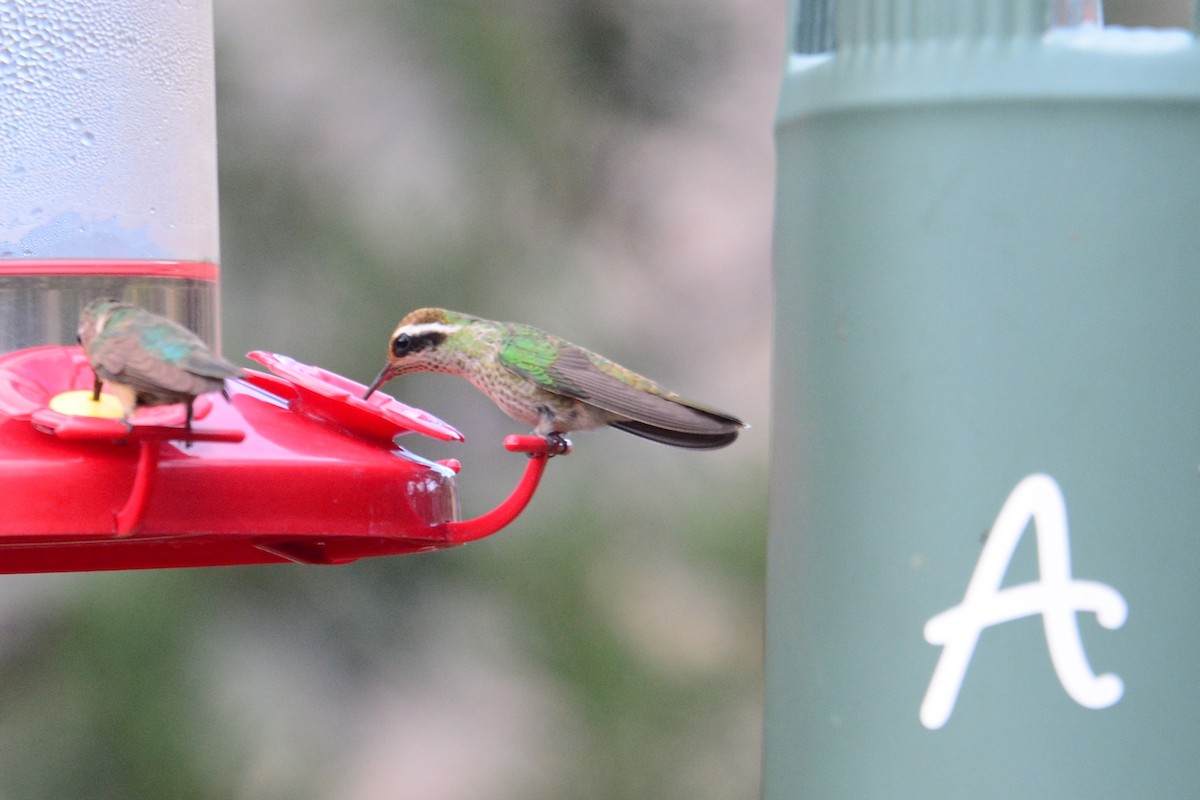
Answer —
383 377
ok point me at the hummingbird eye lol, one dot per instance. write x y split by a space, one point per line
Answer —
401 345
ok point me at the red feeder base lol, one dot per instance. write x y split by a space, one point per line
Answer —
295 467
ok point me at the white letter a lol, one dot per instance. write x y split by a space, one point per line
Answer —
1056 596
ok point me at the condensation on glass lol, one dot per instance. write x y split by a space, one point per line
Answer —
107 162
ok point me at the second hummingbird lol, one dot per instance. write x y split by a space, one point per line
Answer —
146 359
544 381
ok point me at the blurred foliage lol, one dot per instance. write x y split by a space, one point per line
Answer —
511 158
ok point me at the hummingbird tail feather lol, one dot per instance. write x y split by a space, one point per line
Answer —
688 439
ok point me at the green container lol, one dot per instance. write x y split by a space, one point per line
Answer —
985 539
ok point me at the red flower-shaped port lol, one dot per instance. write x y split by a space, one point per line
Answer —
332 398
30 379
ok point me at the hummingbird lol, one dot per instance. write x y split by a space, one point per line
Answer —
542 380
146 359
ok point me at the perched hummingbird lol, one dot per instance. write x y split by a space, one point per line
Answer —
544 381
148 360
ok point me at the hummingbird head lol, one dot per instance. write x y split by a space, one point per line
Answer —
417 344
94 317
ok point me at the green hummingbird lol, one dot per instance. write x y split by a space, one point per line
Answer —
544 381
146 359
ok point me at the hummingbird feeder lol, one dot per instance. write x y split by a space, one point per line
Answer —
109 156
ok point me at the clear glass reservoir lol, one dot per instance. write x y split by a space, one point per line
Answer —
108 181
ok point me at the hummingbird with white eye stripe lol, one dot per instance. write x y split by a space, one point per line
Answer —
542 380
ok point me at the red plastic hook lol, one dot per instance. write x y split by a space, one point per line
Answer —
150 439
540 451
130 514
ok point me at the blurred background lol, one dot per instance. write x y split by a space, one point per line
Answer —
599 168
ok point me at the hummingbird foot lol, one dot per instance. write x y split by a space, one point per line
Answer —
557 445
187 424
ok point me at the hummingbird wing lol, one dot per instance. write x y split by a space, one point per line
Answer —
639 405
154 355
